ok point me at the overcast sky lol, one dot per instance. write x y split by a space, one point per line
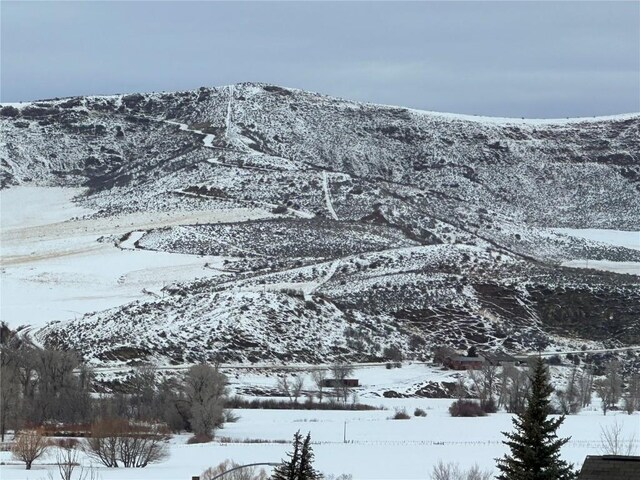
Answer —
542 59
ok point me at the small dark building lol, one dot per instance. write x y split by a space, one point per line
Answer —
610 467
464 363
333 383
499 359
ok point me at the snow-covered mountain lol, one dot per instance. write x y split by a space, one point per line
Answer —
379 227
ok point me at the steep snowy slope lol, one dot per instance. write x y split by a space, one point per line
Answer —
386 226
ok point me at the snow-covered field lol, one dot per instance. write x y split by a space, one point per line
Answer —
377 447
619 238
54 267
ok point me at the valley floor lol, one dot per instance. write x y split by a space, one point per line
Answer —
376 447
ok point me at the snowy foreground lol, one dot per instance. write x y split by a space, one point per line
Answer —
377 447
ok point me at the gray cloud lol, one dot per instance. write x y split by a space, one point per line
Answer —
538 59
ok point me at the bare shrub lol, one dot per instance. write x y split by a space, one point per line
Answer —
199 438
419 413
29 446
401 414
114 442
102 445
139 449
246 473
453 471
66 457
466 408
85 473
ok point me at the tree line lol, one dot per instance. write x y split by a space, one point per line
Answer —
507 388
46 387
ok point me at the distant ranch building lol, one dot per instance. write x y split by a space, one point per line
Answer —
464 363
499 359
334 383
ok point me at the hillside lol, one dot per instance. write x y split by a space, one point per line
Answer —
337 229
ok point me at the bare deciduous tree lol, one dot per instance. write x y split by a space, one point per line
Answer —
484 381
29 446
296 387
205 390
9 389
341 371
585 385
569 398
614 442
609 388
601 387
632 396
319 376
56 386
514 389
85 473
143 387
284 386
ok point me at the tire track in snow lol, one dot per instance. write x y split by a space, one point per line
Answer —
330 273
327 195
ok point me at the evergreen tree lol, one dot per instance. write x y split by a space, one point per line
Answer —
287 470
299 464
535 447
306 471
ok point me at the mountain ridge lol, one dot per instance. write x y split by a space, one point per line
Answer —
452 115
349 187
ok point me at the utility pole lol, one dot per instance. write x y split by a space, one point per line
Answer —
344 435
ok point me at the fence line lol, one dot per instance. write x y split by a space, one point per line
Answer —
570 443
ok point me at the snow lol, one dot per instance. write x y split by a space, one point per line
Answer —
377 447
524 121
327 195
631 268
208 139
54 267
619 238
38 206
